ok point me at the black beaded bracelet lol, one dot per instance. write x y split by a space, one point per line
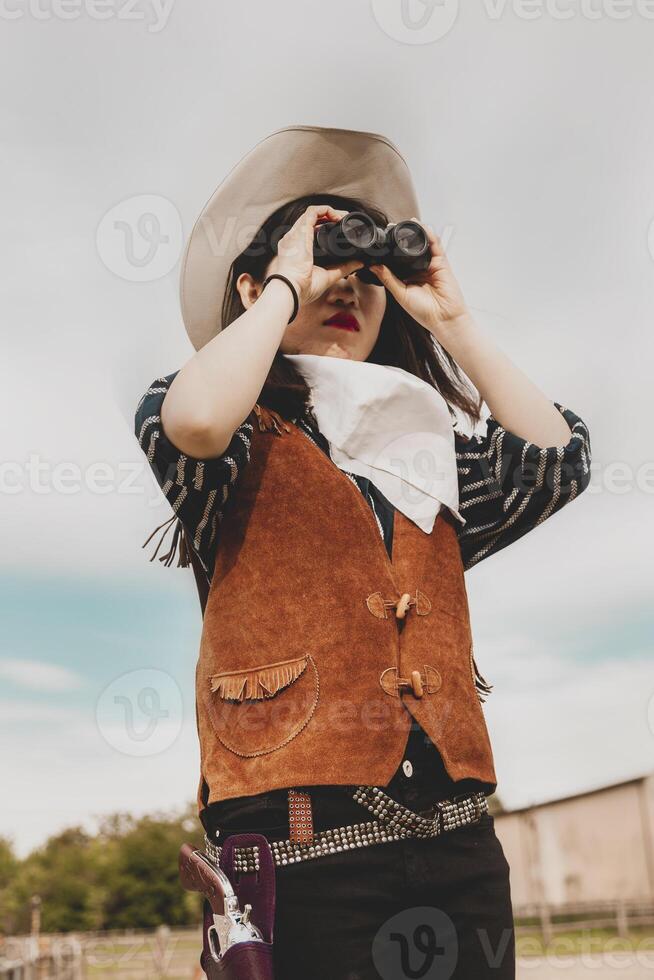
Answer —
296 301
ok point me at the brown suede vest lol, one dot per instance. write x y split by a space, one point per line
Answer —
316 646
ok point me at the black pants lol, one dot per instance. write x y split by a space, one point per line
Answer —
432 909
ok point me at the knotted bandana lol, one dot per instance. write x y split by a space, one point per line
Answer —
386 424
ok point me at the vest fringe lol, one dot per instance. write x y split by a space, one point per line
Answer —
270 420
481 684
178 541
258 682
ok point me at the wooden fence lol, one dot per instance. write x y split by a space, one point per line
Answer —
46 958
620 917
119 955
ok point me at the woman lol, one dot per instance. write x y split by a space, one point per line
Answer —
320 672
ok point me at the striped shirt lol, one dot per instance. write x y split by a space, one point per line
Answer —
507 486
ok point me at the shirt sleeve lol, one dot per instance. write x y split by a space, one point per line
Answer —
196 489
508 485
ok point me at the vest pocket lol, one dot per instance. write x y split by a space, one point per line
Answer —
260 709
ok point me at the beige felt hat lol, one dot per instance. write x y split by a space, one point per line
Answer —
289 163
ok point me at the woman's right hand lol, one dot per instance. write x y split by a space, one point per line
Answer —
294 257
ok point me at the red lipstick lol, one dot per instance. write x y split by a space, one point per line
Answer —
343 320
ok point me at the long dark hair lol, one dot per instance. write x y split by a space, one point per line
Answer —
402 341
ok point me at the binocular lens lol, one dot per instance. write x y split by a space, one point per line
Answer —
410 238
358 229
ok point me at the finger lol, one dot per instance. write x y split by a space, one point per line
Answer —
337 213
317 214
435 244
333 275
329 215
394 285
315 211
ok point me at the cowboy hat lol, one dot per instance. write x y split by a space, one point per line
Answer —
289 163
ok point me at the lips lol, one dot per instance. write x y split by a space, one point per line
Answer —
343 320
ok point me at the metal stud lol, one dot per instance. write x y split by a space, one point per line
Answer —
396 822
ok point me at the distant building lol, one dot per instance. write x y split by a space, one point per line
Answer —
595 846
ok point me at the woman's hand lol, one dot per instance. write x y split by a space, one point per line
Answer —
432 297
294 257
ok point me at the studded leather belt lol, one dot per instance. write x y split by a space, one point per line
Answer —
393 821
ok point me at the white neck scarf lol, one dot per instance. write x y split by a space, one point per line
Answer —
383 423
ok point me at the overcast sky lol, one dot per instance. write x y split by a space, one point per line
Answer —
529 133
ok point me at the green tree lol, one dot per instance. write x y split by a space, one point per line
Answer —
125 876
142 882
9 866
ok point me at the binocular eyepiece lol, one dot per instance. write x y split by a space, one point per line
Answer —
403 246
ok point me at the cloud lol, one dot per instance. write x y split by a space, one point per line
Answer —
39 676
587 729
73 777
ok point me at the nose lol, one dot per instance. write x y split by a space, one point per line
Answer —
343 288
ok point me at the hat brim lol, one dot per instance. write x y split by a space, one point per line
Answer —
289 163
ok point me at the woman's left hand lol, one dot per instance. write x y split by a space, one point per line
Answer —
432 297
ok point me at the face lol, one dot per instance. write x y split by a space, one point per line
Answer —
355 309
343 322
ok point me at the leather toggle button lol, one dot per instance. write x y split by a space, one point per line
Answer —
380 607
403 604
418 684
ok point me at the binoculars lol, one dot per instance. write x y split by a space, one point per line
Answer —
403 246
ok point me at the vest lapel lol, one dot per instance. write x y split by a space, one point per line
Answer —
364 508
